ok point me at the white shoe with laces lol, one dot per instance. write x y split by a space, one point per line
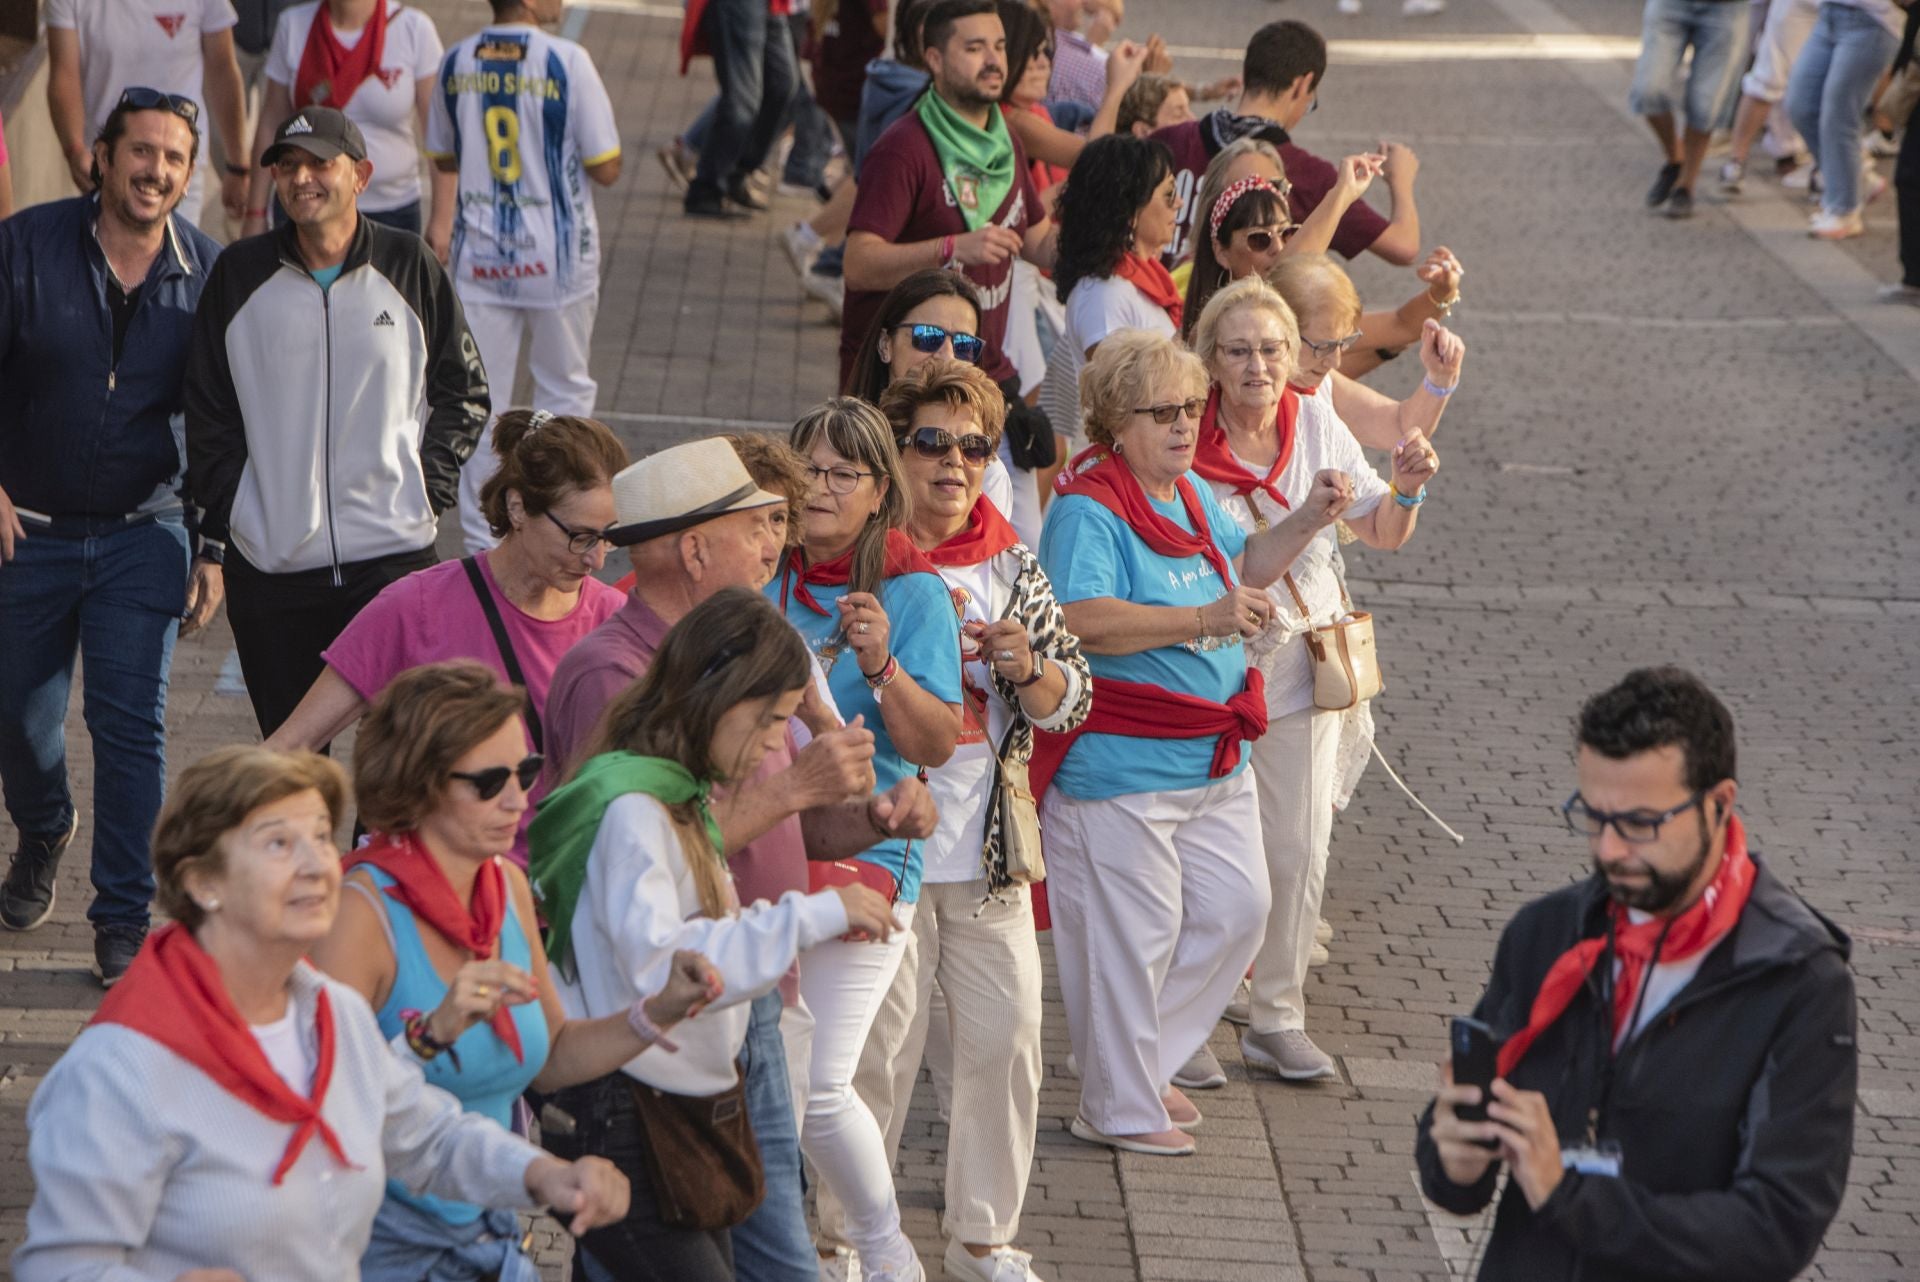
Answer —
842 1266
1000 1264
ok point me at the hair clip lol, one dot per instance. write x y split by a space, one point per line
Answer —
540 419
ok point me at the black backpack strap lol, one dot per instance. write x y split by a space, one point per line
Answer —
505 645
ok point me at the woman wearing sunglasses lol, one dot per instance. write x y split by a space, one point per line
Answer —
1156 884
973 930
1261 444
876 613
438 933
547 504
1116 214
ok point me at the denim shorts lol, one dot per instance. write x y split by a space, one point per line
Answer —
1716 31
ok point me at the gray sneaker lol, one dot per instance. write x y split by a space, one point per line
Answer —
1291 1054
1240 1009
1201 1073
26 897
1899 292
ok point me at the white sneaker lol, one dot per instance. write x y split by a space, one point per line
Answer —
1846 226
842 1266
911 1272
1001 1264
1422 8
1732 175
1318 955
1349 7
1799 178
831 290
803 245
1322 931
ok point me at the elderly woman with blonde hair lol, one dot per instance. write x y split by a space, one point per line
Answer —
1261 443
1155 885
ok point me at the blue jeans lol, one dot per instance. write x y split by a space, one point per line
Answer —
112 594
1717 32
1827 95
754 61
774 1244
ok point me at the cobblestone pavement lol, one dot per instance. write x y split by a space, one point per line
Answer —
1677 442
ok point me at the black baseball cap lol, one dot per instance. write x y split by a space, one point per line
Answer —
323 131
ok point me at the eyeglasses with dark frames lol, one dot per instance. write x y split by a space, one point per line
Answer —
839 479
141 98
1636 827
579 542
489 783
934 442
1165 414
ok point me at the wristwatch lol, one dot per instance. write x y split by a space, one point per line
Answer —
1039 670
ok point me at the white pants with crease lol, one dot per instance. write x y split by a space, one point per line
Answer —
1158 901
557 359
1293 776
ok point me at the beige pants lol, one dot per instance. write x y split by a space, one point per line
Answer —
987 961
1293 776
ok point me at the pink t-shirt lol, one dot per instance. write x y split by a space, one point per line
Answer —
432 615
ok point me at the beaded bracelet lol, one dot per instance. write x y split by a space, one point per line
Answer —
1404 501
883 678
645 1029
1435 388
422 1042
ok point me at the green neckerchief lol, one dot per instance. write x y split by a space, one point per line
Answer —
561 834
978 163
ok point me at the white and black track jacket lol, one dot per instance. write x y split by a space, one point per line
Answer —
304 405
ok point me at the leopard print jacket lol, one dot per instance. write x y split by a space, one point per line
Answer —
1033 604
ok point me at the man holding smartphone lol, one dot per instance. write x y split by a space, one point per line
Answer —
97 295
1673 1092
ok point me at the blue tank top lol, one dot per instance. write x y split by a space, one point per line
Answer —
489 1079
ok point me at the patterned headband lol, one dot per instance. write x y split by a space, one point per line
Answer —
1231 196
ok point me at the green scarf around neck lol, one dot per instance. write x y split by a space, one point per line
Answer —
978 163
561 834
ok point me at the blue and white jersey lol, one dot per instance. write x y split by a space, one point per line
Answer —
524 113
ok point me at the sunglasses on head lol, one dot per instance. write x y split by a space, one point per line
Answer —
140 98
929 338
1165 414
934 442
490 782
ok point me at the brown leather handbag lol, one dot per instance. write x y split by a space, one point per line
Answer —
701 1156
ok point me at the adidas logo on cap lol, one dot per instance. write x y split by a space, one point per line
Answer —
299 126
384 318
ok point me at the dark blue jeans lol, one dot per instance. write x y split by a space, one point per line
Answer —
112 594
774 1244
754 61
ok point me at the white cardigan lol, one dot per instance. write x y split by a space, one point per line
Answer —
144 1168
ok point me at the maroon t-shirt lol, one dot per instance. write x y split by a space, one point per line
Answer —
904 199
841 55
1195 143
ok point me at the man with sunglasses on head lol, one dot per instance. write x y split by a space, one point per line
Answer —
97 295
315 349
1674 1094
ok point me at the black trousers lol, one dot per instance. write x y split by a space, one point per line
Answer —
639 1248
1906 185
281 622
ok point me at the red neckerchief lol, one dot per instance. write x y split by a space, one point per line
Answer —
1151 277
1699 928
422 886
1155 712
330 73
1213 456
902 558
173 993
1107 479
986 534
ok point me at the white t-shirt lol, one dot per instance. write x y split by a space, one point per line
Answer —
1323 440
1663 984
152 43
1096 308
525 114
286 1050
960 786
383 104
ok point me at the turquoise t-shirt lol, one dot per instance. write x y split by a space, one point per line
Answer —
921 632
1089 552
327 275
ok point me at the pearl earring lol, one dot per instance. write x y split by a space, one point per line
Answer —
211 906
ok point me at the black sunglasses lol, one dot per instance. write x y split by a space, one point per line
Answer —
934 442
928 339
141 98
489 782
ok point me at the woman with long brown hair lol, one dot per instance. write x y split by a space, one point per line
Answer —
628 865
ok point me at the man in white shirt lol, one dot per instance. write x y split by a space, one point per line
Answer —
96 48
523 118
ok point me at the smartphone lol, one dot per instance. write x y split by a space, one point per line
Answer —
1474 1064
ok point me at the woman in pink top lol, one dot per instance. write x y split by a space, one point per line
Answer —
548 505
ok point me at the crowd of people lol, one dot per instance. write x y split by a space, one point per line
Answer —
1041 622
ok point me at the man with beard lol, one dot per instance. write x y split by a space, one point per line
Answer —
315 347
1674 1094
97 295
947 185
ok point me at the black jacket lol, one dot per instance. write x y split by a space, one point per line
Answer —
1733 1107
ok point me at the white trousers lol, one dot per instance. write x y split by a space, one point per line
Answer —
1789 23
796 1038
844 986
1293 776
986 959
562 341
1158 901
1024 512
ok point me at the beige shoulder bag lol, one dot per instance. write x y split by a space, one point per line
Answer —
1346 669
1019 815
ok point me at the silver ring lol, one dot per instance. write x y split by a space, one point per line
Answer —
862 628
1004 655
